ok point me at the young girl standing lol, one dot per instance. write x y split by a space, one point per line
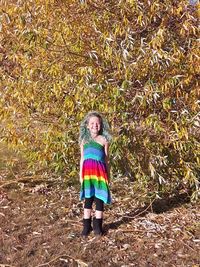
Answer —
94 169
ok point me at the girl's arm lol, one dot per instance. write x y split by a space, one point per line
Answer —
81 163
106 147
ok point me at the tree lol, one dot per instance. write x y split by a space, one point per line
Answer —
135 61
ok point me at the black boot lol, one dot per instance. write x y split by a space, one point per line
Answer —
87 228
97 226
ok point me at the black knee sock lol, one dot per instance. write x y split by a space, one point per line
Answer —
97 226
86 227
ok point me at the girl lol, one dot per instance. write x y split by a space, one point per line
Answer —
94 170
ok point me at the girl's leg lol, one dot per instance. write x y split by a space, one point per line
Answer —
97 222
87 216
88 207
99 208
87 213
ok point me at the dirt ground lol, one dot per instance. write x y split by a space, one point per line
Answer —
41 222
40 225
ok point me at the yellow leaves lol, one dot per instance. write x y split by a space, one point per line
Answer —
57 90
132 2
188 80
85 70
181 131
154 8
190 176
108 52
187 28
179 10
55 70
152 121
125 21
127 60
152 170
69 104
171 84
118 30
158 39
198 160
181 147
160 33
139 20
166 104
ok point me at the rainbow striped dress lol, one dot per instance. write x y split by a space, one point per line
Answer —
94 173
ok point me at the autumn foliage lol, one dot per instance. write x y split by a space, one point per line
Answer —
137 62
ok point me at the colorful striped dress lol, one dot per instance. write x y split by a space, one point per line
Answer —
94 173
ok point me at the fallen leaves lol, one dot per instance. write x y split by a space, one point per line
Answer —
44 230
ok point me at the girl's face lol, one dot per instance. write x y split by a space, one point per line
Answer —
94 125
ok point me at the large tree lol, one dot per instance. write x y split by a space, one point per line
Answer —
135 61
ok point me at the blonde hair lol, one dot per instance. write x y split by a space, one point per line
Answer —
85 135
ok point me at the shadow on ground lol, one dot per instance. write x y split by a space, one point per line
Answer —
158 206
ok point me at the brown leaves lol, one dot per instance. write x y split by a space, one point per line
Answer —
39 229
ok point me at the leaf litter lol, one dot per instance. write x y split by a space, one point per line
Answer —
40 225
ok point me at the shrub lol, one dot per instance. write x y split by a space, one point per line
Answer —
135 61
